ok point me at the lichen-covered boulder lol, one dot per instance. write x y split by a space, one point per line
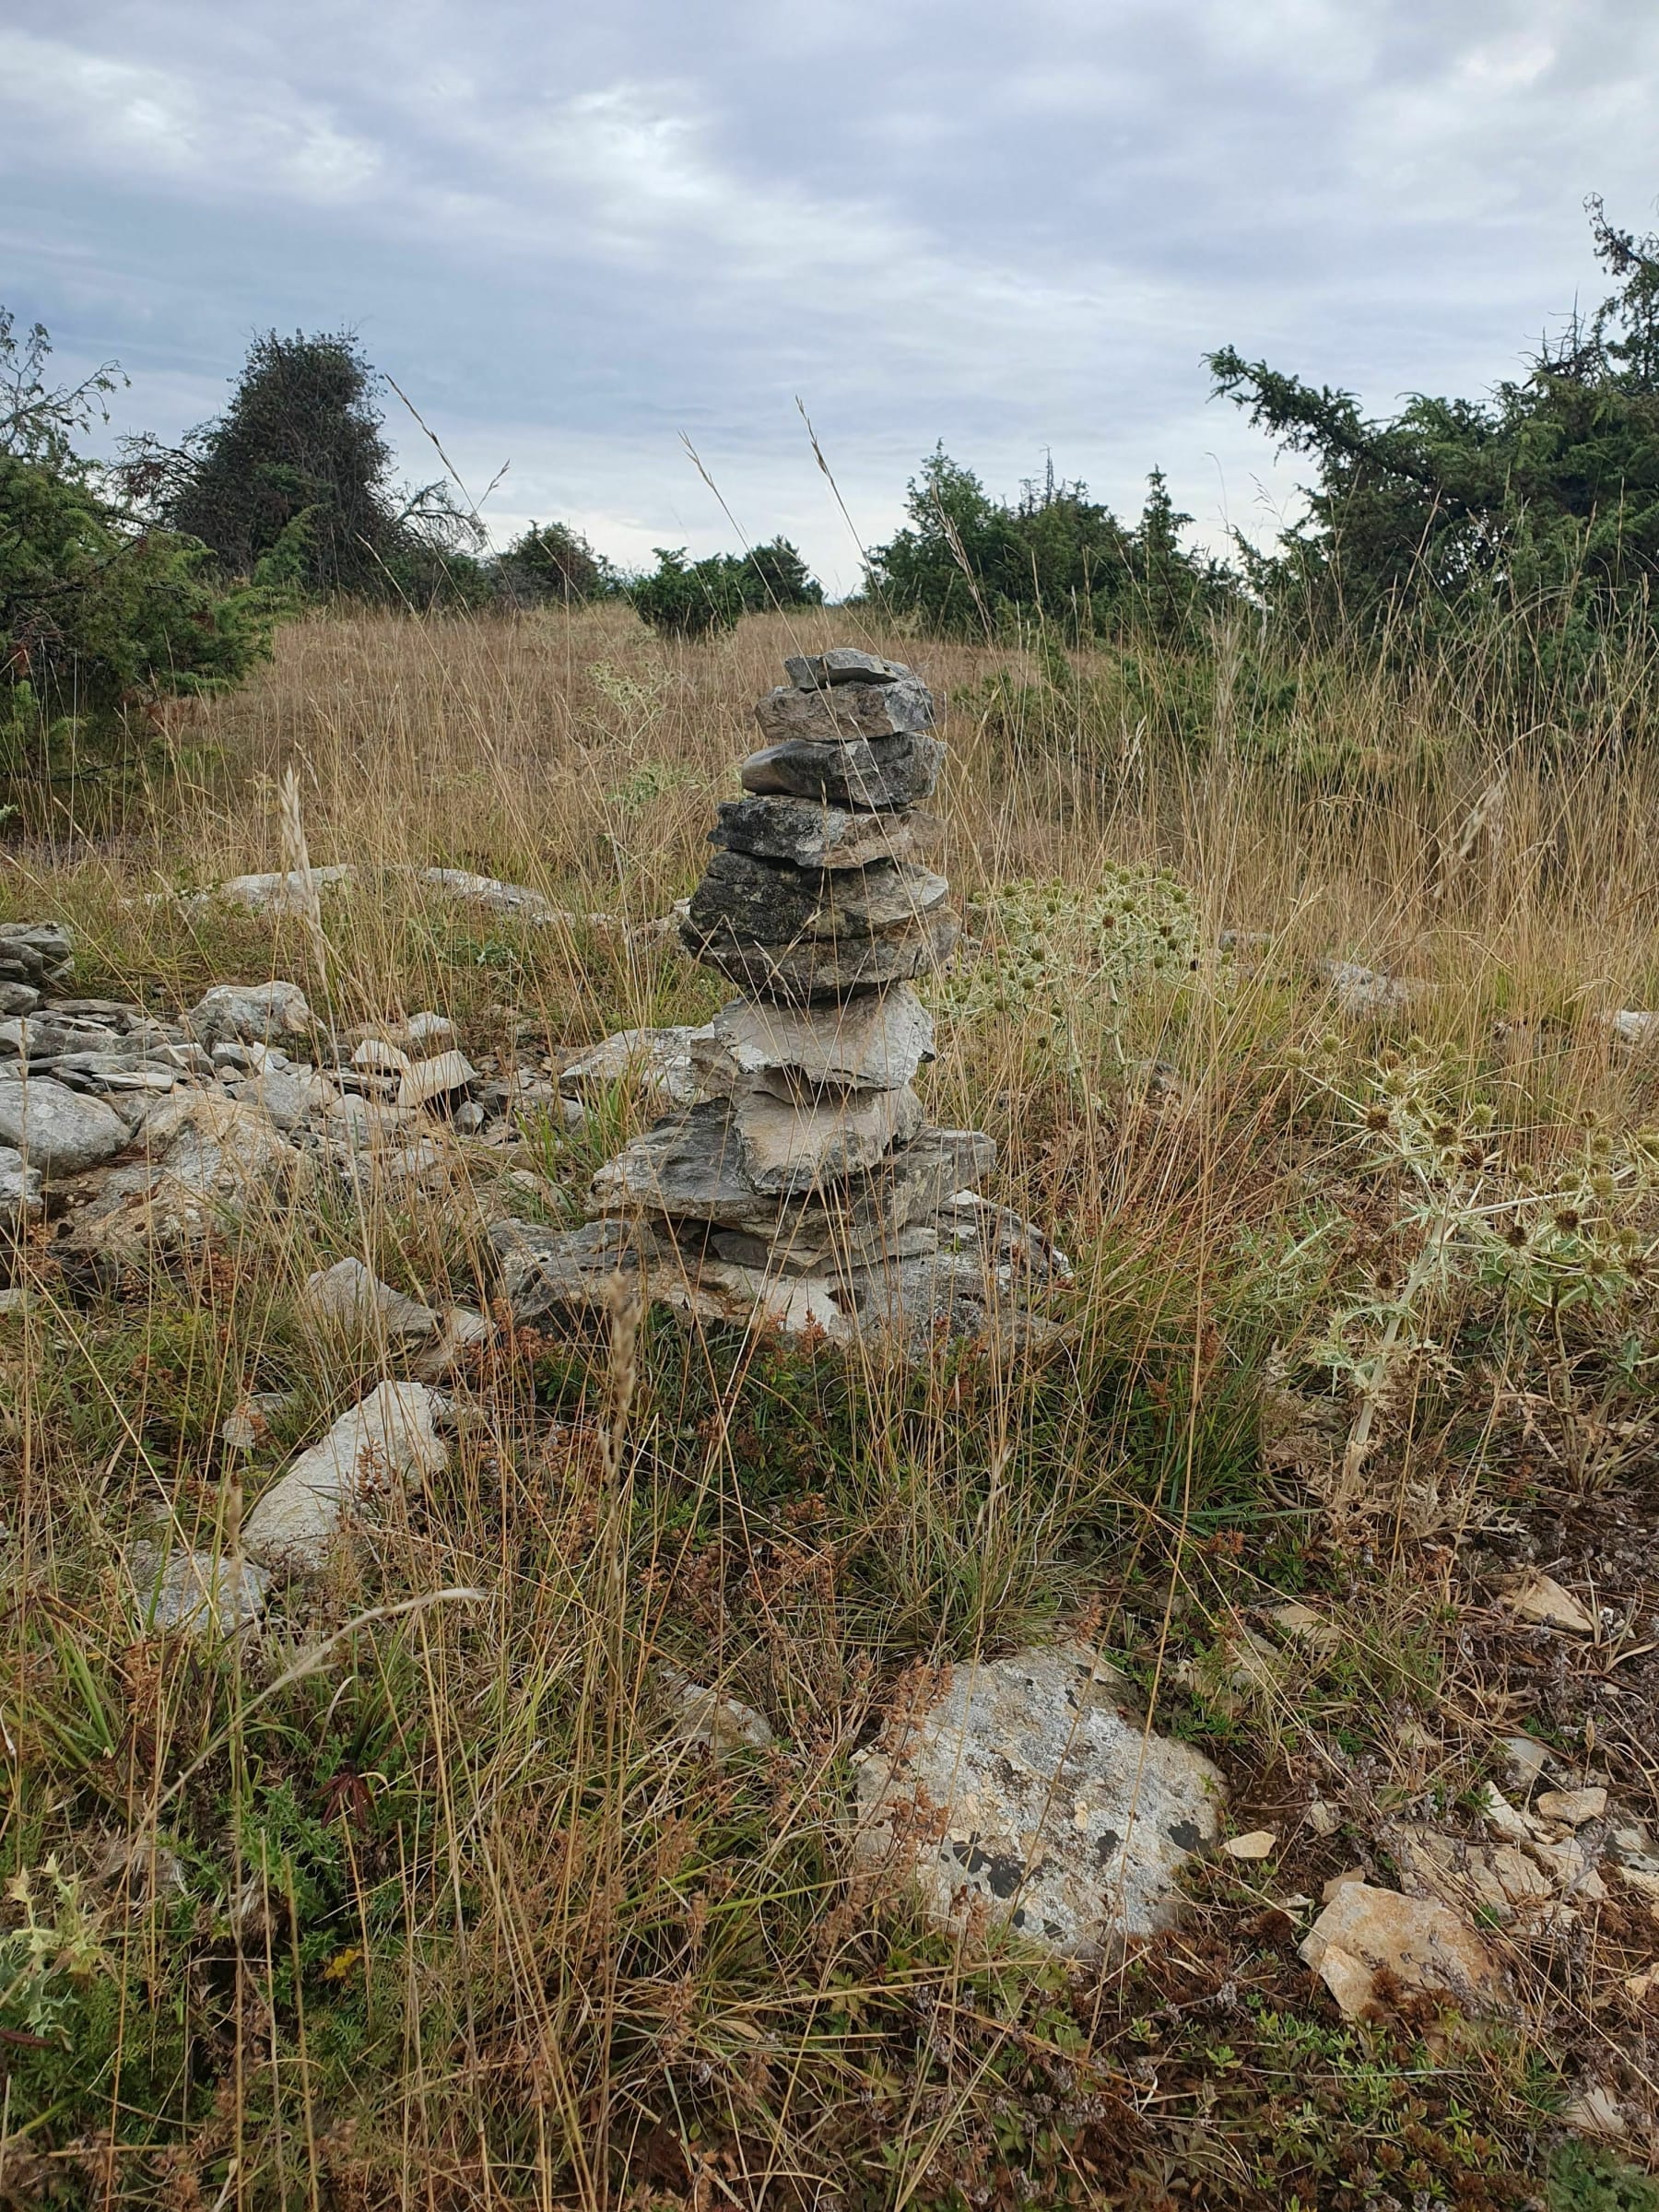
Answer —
1030 1793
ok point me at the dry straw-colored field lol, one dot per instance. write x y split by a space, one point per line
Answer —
430 1907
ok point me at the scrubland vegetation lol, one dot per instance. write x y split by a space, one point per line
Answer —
422 1898
1310 989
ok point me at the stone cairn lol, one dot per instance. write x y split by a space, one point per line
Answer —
806 1185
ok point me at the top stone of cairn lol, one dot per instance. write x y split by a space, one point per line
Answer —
841 665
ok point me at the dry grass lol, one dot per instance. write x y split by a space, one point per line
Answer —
451 1918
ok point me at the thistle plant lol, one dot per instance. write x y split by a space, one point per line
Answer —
1473 1221
1053 953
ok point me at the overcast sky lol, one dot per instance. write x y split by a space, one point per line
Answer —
579 234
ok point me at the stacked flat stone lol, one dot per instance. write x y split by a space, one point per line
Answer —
805 1186
810 1155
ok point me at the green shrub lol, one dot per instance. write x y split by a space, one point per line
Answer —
99 618
689 599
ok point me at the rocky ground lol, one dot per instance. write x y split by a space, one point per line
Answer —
1029 1793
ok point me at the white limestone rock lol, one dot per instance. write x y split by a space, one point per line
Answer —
249 1013
57 1130
388 1442
876 1043
1031 1790
348 1296
440 1077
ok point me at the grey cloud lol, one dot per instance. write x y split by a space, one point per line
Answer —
573 236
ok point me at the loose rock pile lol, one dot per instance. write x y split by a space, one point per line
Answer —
806 1184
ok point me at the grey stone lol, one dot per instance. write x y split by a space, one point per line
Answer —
1363 995
810 834
872 773
545 1270
55 1129
841 665
689 1168
279 894
742 901
386 1443
499 897
874 1042
198 1594
226 1149
249 1012
660 1061
547 1273
350 1295
835 714
18 998
718 1722
814 970
1029 1790
22 1197
794 1147
287 1097
438 1077
34 952
1013 1249
99 1072
804 1254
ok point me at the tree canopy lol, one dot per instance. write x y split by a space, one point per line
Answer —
1541 500
968 563
101 616
298 467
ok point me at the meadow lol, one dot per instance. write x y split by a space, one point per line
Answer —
1292 1013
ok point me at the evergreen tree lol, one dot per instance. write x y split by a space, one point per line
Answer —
775 575
1540 502
970 563
299 460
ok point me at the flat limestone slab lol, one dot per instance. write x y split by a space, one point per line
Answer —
874 1042
795 1146
689 1167
843 665
387 1441
873 773
1030 1789
833 713
545 1272
744 900
812 835
816 970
